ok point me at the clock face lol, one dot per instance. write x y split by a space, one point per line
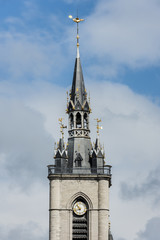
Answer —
79 208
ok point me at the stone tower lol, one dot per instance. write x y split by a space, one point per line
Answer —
79 179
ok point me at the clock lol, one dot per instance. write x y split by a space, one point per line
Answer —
79 208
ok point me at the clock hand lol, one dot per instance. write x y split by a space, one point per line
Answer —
78 207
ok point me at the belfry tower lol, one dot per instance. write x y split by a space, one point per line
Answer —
79 179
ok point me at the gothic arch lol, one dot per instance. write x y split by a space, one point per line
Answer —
80 223
78 195
71 121
85 121
78 120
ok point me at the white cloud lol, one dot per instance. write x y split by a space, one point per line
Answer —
31 10
29 56
124 32
14 20
131 117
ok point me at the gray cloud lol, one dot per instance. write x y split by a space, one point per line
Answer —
152 230
149 188
28 231
25 146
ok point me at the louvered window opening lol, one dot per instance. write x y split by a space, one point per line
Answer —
80 227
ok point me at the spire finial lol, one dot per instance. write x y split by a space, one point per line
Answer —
109 225
61 126
67 97
77 20
98 127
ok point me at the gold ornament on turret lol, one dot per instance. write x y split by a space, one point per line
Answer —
62 126
67 102
98 127
89 99
67 97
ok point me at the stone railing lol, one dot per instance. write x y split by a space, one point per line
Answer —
78 133
106 170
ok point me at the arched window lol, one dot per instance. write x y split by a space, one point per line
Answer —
85 121
78 120
71 121
80 223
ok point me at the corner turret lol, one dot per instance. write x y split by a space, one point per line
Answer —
61 158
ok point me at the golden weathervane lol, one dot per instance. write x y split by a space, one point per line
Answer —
77 20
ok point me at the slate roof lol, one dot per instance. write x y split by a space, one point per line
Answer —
78 87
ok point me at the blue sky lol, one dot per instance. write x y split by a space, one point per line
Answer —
120 56
49 16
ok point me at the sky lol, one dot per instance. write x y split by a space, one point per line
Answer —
120 56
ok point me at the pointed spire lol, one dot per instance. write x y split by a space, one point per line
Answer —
61 145
78 88
78 55
97 144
